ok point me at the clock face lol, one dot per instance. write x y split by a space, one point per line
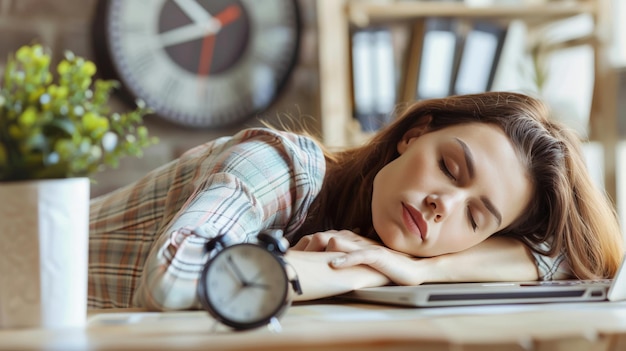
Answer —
202 63
245 286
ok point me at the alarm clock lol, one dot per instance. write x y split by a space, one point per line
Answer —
246 285
199 63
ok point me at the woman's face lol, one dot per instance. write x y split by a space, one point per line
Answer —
449 190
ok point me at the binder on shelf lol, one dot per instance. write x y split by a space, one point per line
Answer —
479 58
374 77
440 49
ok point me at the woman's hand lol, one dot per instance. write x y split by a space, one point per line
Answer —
495 259
334 240
318 279
398 267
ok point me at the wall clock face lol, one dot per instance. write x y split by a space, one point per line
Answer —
202 63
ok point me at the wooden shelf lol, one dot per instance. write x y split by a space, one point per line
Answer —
365 13
336 17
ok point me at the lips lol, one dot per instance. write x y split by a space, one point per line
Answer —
414 221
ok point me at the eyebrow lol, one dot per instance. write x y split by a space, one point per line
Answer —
469 163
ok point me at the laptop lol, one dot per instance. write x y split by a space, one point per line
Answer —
493 293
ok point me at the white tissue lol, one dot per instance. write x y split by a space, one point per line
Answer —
44 232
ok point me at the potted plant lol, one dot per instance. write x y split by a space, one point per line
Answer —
56 130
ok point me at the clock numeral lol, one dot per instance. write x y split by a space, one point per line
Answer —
133 17
135 29
274 46
267 56
240 86
142 64
209 97
171 88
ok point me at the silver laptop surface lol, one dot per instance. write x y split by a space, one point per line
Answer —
461 294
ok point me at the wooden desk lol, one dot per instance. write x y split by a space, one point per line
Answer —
339 326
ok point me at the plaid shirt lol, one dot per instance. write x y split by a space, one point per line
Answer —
142 252
141 249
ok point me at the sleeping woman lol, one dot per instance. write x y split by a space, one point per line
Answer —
480 187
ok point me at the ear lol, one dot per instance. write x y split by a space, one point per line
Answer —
417 130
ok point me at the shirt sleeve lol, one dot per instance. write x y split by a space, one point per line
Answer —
259 181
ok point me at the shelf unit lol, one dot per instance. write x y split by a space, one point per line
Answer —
336 19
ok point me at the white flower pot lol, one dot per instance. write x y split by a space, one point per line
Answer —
44 232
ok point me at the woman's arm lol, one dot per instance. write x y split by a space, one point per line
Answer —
258 181
318 279
495 259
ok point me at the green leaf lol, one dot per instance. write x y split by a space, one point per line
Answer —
59 128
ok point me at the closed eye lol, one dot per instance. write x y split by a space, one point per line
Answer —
446 170
471 220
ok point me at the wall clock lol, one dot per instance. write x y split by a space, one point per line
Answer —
199 63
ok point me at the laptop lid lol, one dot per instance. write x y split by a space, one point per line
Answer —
617 291
461 294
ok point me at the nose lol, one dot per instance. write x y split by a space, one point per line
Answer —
443 204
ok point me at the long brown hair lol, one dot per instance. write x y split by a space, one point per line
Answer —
568 211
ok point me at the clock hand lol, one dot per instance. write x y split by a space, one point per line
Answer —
199 29
186 33
234 296
194 11
259 285
237 272
252 283
226 16
206 56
